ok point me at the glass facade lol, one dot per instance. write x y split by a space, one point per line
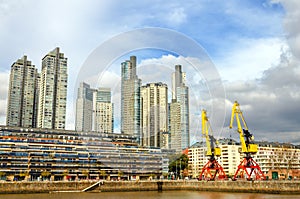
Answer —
84 108
180 95
130 98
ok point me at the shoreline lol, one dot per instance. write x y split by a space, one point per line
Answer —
266 187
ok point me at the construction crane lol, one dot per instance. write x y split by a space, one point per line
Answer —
248 167
212 169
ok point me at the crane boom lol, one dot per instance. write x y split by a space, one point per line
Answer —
245 137
212 168
212 150
247 165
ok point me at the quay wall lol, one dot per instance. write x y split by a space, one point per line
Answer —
273 187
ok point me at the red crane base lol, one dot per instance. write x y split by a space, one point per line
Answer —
250 169
211 171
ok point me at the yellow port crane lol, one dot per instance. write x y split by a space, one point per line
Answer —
248 167
212 169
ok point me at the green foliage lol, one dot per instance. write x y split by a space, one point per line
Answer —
45 173
165 174
120 173
85 172
103 173
2 174
179 164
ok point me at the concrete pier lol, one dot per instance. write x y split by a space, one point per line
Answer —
272 187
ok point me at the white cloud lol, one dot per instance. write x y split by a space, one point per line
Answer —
250 58
177 16
4 80
291 24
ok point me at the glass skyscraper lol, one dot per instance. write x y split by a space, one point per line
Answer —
130 98
84 108
180 101
94 109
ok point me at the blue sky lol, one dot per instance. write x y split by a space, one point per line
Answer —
250 42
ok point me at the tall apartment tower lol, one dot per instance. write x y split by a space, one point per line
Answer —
53 91
175 125
154 115
103 120
130 98
84 108
180 96
22 95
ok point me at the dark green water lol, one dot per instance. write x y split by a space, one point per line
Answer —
148 195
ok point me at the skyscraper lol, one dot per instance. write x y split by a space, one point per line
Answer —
94 109
154 115
53 91
175 125
130 98
84 108
103 120
178 80
180 97
22 98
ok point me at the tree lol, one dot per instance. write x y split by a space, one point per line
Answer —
2 175
103 173
179 164
86 173
120 173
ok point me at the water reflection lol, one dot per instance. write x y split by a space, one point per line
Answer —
150 194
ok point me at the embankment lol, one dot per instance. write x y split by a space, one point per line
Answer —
273 187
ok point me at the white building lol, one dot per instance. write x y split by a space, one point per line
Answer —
22 94
84 108
53 91
94 109
154 115
270 156
175 126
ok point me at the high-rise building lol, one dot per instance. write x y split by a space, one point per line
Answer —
154 115
178 80
130 98
53 91
22 98
103 120
180 98
94 109
183 100
175 125
84 108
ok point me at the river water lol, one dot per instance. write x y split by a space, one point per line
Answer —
149 195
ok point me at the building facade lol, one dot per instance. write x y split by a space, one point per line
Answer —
84 108
22 94
94 110
40 154
277 161
175 126
180 97
53 91
154 115
130 98
103 111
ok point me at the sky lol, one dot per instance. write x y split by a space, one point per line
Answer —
252 47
